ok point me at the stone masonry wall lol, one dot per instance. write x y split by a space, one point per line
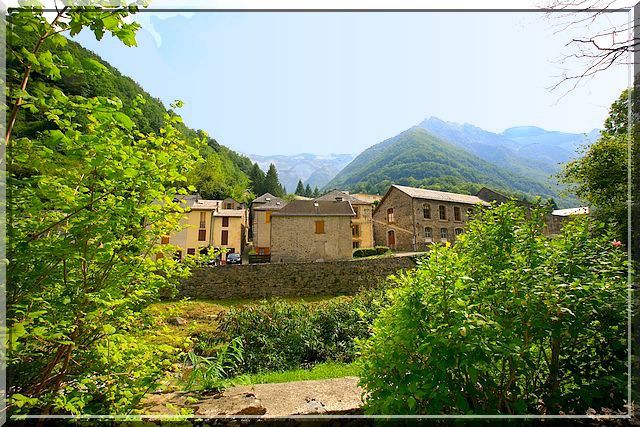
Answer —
291 279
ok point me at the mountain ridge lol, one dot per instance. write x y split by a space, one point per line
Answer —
458 157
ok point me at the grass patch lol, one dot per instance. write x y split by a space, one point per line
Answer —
201 317
321 371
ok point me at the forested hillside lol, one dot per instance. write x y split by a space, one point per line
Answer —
418 158
222 171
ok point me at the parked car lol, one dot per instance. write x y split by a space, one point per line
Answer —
234 259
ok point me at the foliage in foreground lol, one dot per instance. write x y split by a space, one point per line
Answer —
600 175
211 373
89 194
279 335
506 321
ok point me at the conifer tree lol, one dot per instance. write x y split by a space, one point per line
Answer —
257 178
307 191
300 188
271 183
316 192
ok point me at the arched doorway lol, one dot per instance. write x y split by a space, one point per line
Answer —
391 239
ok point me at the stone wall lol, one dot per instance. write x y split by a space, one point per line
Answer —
291 279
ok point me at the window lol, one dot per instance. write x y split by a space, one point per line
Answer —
165 240
224 238
159 255
191 251
355 230
426 211
177 256
444 233
225 221
356 244
390 217
443 211
469 212
229 206
458 231
267 217
203 219
319 227
356 209
202 235
457 215
428 232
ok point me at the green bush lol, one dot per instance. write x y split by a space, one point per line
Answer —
364 252
507 321
381 250
278 335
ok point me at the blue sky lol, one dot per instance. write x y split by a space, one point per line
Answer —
286 83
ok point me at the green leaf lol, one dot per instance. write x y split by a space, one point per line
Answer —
95 66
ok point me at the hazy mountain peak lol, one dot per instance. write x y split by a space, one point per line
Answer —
519 131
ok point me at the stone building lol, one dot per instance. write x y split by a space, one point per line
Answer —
410 219
312 230
361 223
559 217
261 210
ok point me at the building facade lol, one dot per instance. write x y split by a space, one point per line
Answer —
229 230
361 223
312 230
411 219
261 210
207 225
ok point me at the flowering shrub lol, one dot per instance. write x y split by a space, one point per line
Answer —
508 321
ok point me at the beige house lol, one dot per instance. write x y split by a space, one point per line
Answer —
229 230
261 210
205 225
312 230
411 219
361 223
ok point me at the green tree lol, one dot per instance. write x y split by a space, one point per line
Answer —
300 188
89 196
257 178
271 183
217 177
600 176
307 191
507 321
316 192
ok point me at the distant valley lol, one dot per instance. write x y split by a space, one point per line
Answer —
313 169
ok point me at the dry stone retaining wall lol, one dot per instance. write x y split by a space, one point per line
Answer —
291 279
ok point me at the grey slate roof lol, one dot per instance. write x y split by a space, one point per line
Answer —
316 208
266 197
194 202
267 202
332 195
421 193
